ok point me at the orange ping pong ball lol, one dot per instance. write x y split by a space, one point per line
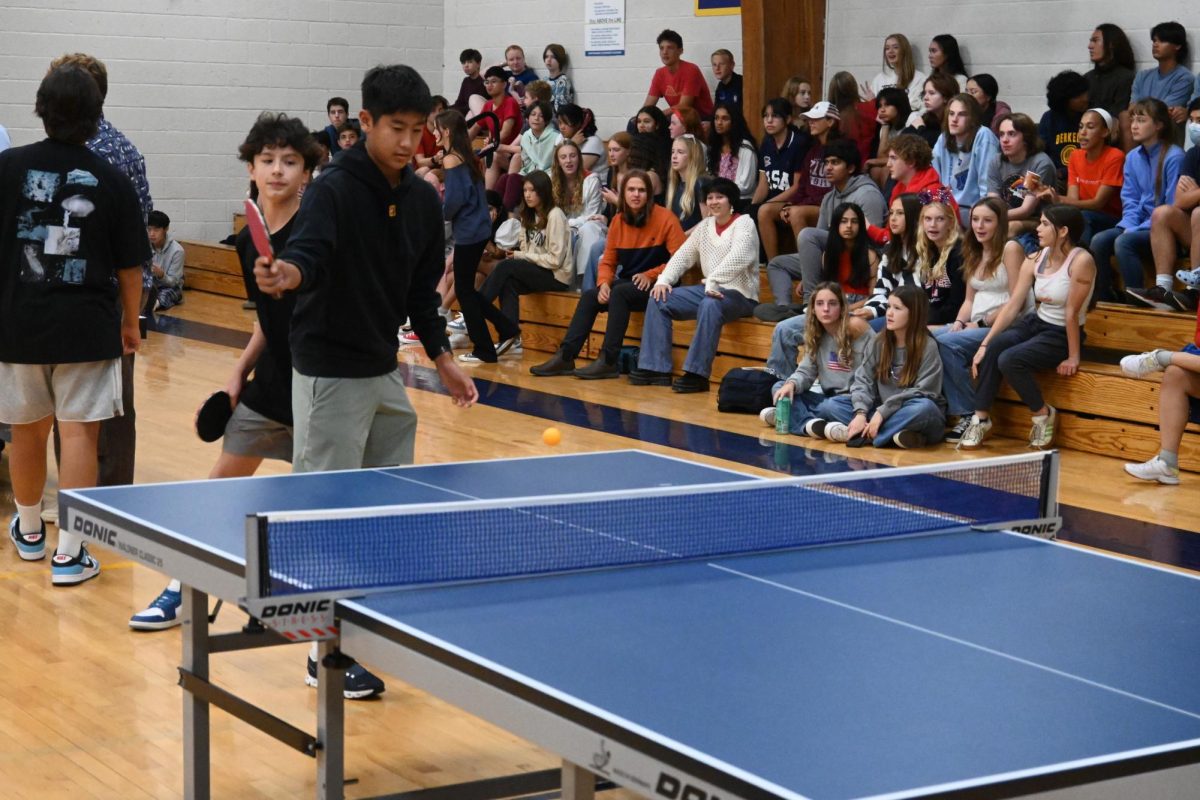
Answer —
552 436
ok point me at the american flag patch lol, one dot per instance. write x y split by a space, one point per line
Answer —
835 364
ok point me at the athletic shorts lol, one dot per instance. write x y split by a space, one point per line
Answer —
89 391
249 433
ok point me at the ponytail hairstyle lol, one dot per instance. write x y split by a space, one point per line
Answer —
916 338
814 330
860 261
932 256
906 66
452 122
953 61
901 251
1158 112
973 263
691 121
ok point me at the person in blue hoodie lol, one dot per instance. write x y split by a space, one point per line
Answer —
964 152
1151 172
464 205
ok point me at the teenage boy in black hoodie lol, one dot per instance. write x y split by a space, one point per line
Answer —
366 253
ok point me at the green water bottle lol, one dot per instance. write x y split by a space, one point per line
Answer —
783 414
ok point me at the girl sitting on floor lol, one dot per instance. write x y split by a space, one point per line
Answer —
834 343
895 398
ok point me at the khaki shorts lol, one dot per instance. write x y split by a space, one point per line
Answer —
86 392
249 433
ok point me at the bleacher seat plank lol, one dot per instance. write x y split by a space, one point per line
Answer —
1133 330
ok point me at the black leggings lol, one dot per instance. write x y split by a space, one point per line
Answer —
512 278
474 309
1028 345
624 298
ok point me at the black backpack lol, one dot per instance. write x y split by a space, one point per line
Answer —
745 391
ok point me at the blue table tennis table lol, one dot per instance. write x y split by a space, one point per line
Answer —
966 663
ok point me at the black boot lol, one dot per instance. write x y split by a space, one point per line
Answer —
648 377
598 369
557 365
690 382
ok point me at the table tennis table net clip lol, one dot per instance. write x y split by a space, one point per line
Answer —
300 563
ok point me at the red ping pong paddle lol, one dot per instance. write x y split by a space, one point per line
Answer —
258 229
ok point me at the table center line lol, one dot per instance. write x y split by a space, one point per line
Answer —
953 639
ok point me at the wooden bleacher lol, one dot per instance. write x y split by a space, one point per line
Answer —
1100 410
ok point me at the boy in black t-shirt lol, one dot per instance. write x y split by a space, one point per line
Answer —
73 242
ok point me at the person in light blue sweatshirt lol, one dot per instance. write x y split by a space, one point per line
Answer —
964 152
1151 172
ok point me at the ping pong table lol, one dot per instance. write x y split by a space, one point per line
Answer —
950 661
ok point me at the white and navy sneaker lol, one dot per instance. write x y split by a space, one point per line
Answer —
68 570
511 347
360 684
955 434
456 325
163 613
30 546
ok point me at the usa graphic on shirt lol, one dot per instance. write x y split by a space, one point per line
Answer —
49 216
834 364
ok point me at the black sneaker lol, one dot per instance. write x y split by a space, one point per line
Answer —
907 440
360 684
648 377
1183 301
690 382
599 369
1154 297
955 434
557 365
816 428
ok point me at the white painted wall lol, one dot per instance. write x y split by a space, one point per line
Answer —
188 77
1023 43
613 87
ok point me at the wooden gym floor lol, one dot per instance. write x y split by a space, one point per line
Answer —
90 709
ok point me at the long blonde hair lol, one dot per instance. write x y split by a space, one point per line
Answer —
691 177
906 67
814 330
568 191
927 272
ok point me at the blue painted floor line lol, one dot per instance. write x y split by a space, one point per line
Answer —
1148 540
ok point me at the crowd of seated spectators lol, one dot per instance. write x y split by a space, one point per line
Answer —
918 233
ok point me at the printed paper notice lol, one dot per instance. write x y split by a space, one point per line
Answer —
604 28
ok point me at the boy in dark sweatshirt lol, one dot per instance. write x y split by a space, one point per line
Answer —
366 253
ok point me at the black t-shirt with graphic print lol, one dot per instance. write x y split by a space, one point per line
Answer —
68 222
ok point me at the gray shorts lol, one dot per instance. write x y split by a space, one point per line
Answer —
249 433
350 423
89 391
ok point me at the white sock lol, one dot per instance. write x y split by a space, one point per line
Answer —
1040 417
1169 457
174 585
312 651
68 543
1164 282
30 517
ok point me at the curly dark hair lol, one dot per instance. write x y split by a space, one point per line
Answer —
279 130
1063 88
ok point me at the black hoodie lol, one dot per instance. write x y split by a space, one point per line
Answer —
369 256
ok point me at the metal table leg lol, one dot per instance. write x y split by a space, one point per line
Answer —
331 721
197 776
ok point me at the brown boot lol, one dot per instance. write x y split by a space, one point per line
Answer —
600 368
557 365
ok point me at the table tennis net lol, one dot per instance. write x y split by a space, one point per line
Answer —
372 549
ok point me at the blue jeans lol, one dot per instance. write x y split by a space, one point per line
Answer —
688 302
918 414
785 343
958 349
1132 249
593 262
806 406
1095 222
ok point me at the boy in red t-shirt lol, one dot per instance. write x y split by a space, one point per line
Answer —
680 82
500 103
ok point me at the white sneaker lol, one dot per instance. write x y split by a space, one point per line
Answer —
1041 434
511 347
456 325
1154 470
469 358
837 432
977 430
1141 365
459 340
767 415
